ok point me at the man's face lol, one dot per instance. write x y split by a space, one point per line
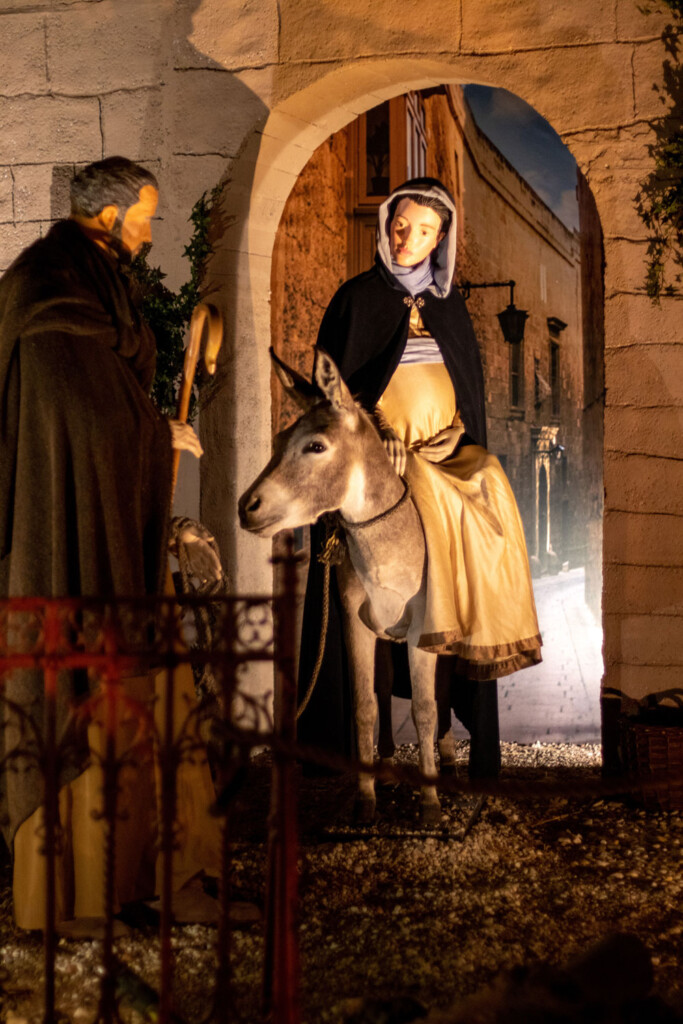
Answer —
415 230
136 228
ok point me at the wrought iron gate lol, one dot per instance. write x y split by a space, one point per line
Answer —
44 644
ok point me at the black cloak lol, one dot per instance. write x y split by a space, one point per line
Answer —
364 329
85 458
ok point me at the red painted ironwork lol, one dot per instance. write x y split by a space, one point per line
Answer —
168 764
281 969
51 802
111 697
111 640
114 639
223 1009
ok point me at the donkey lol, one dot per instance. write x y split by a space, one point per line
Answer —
332 459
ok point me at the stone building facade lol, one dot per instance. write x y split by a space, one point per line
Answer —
534 388
244 91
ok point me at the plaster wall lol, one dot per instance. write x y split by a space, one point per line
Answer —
244 91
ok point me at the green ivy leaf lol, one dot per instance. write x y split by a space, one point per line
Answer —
659 201
168 313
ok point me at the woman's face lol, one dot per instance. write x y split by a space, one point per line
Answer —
415 230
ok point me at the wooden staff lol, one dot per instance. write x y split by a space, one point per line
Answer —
202 312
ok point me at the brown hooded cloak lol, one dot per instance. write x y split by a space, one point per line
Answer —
85 458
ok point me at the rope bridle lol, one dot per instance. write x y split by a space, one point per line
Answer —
347 525
332 553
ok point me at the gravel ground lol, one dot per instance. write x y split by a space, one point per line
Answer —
398 922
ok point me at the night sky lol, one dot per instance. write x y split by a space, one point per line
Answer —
531 145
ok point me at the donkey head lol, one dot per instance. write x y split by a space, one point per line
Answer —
317 462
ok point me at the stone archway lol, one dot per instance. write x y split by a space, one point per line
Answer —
255 194
592 98
504 230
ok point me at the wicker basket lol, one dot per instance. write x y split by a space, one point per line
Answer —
652 755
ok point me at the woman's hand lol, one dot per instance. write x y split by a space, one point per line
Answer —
184 438
394 446
441 445
395 449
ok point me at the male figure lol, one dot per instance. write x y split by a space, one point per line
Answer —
85 477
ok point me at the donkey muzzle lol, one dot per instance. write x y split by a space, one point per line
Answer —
247 506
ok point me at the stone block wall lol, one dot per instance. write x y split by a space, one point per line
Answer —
92 78
76 84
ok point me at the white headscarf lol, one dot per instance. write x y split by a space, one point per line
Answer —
443 256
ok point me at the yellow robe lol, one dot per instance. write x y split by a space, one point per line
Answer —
80 863
480 604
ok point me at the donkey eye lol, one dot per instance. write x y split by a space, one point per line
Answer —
316 447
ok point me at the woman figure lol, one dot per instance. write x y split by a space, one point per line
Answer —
404 343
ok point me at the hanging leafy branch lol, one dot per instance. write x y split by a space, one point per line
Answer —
659 201
168 313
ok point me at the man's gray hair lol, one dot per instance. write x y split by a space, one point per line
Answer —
115 181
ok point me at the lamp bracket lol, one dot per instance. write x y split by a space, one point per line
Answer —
467 286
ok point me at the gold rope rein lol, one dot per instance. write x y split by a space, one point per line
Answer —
332 554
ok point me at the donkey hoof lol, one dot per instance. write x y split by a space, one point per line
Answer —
447 768
430 814
363 810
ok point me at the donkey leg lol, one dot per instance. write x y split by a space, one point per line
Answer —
422 679
383 687
446 745
360 643
444 732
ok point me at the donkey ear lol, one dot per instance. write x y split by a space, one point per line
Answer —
329 380
296 386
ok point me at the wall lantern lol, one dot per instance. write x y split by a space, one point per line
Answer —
511 320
